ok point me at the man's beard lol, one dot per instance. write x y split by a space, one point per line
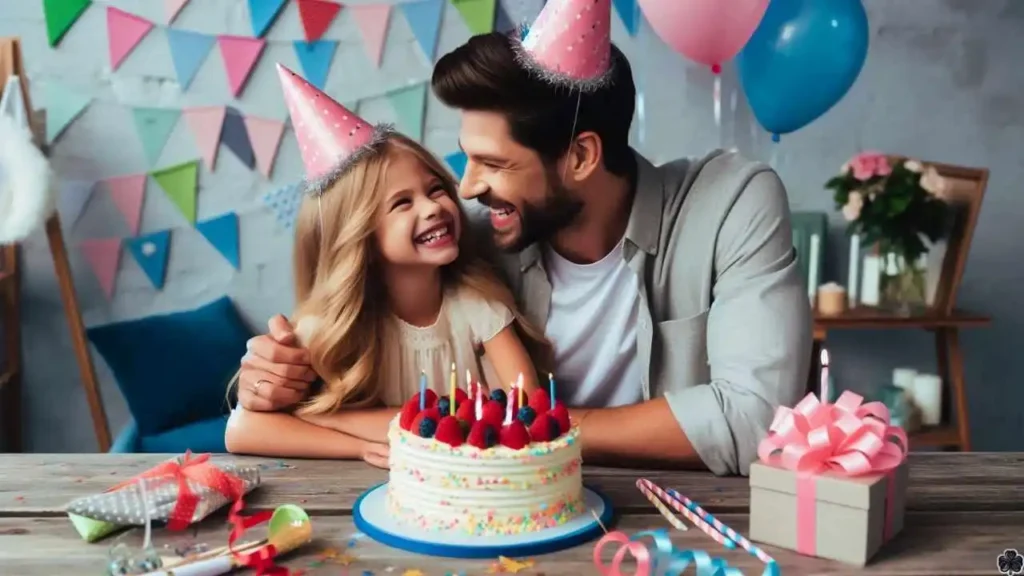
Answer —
540 223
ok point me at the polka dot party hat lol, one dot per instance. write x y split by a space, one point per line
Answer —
331 137
570 43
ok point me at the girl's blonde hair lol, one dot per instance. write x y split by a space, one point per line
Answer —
337 281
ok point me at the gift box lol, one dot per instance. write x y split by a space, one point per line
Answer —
831 481
178 492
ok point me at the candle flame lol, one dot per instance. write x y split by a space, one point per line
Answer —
453 366
824 357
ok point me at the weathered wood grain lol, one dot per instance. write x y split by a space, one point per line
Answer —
931 543
43 484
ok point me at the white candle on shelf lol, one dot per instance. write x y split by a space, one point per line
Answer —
851 280
927 392
812 271
903 378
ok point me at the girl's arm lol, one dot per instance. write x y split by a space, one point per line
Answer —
509 358
285 436
368 424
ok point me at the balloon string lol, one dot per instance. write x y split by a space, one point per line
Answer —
775 158
718 100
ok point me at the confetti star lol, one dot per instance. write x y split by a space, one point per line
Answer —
413 572
514 566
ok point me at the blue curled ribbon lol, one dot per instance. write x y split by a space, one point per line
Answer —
664 560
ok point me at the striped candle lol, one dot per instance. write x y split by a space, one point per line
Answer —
736 536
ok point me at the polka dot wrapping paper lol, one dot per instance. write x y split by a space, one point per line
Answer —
177 492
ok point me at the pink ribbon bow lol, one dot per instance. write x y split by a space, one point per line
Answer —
846 438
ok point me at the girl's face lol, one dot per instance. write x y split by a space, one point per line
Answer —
419 221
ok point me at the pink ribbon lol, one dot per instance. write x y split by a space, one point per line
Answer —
847 438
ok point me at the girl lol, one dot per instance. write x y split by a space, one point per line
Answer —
387 282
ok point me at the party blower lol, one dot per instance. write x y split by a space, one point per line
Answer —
289 528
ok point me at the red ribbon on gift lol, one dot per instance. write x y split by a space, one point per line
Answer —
196 468
847 438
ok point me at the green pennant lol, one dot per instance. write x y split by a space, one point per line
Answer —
154 126
60 16
410 105
179 183
478 14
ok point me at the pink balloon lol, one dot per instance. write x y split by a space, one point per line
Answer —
705 31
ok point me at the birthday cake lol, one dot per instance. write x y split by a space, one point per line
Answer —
484 467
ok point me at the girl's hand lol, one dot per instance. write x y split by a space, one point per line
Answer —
376 454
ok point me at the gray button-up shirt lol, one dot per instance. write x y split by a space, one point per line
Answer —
724 329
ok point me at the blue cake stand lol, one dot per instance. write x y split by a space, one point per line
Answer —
372 518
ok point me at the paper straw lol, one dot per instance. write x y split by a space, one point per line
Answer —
736 536
672 519
687 513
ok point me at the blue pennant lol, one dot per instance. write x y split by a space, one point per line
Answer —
235 136
457 161
188 51
150 251
424 19
629 12
315 59
222 233
262 13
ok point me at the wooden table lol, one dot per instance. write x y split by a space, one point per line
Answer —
963 510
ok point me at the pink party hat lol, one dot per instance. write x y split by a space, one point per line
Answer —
570 43
331 137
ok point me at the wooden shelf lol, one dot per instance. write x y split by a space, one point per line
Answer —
935 437
5 275
867 317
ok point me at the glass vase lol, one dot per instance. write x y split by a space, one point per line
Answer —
902 288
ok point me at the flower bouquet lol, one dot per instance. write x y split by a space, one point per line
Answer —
897 204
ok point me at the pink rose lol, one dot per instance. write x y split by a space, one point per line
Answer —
854 203
935 184
869 164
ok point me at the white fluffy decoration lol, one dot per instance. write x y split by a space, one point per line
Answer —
26 195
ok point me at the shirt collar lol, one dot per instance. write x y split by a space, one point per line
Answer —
644 224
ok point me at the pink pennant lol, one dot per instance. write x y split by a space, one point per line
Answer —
372 20
127 192
240 54
206 124
265 138
103 256
172 7
124 32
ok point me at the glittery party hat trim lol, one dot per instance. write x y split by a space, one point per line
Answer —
525 59
381 133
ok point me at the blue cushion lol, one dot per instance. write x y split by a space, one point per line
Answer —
203 436
173 369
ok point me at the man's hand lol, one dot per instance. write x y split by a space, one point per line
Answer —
376 454
276 372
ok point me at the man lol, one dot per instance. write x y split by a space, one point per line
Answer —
671 294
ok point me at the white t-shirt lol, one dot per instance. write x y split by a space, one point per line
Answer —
592 325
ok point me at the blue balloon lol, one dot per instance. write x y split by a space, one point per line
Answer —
802 59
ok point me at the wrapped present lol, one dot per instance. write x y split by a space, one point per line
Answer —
178 492
831 480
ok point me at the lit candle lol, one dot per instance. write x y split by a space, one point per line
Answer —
479 403
551 389
519 385
508 410
423 389
824 375
451 397
469 383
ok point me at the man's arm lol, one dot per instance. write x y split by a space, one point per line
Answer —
758 344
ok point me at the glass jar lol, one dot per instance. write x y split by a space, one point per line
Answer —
902 285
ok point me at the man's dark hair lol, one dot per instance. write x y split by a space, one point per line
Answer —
483 75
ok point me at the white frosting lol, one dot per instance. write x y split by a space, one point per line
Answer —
492 491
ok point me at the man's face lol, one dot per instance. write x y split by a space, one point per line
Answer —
526 198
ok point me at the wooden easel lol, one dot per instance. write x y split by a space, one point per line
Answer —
10 391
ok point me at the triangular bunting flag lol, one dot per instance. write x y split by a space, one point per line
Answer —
222 232
154 126
72 197
188 52
103 256
206 124
150 251
265 138
478 14
457 162
179 182
240 55
60 16
124 32
236 137
62 105
629 12
373 20
424 17
172 8
316 16
284 202
128 192
262 14
315 60
510 14
410 105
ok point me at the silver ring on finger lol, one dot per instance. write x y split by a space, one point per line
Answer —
256 386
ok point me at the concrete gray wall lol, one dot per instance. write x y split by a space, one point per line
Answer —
943 82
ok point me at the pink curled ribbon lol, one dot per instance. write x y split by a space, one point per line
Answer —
664 560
